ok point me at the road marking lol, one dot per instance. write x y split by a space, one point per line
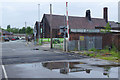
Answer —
5 74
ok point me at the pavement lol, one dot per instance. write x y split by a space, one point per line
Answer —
19 60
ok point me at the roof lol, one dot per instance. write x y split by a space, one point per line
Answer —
7 33
115 31
113 24
75 22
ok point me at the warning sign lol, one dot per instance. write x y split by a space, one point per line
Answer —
81 38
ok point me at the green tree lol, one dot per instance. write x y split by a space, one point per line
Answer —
8 28
29 30
23 30
15 30
107 27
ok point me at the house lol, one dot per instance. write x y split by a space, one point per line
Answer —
37 24
7 34
114 25
74 23
79 26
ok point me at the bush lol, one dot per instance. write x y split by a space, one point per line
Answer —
92 55
115 54
113 48
92 49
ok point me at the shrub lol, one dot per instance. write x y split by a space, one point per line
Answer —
92 55
92 49
113 48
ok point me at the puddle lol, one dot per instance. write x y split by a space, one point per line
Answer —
35 49
82 70
62 69
45 50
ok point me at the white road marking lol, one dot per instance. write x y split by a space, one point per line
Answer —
5 74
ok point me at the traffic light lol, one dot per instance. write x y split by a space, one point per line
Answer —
63 29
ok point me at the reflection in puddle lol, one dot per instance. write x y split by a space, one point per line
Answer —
81 69
65 67
106 71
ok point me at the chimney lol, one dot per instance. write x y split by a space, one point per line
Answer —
105 13
88 15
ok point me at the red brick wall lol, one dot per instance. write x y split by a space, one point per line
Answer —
116 40
106 38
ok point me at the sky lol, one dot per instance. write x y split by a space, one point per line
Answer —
17 12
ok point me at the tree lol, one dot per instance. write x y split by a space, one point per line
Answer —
23 30
15 30
29 30
107 27
8 28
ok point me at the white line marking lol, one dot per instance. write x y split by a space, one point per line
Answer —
5 74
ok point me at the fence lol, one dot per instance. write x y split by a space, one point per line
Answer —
85 43
58 43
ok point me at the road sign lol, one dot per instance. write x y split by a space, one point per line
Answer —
81 38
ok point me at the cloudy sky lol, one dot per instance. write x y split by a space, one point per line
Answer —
16 13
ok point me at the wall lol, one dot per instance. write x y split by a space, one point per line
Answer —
116 40
106 37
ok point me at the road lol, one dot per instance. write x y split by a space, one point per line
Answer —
20 60
18 52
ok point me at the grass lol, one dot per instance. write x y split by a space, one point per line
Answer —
48 39
106 54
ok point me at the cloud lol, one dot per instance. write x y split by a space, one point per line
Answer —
16 13
59 0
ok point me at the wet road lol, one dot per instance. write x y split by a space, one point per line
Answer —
21 61
17 52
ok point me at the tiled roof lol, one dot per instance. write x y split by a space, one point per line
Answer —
7 33
75 22
113 24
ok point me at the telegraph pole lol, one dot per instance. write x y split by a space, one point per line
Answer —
51 26
64 46
25 30
39 32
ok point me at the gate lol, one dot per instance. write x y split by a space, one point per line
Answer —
88 42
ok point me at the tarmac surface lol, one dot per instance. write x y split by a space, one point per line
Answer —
19 52
21 60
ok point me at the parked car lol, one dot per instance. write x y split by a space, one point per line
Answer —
13 39
6 39
9 38
16 38
22 38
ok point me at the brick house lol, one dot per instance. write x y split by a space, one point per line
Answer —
79 26
74 23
